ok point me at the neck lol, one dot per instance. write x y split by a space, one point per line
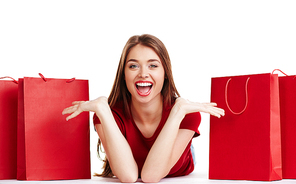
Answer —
147 113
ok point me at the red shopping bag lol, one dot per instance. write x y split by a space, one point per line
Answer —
49 148
287 89
245 144
8 123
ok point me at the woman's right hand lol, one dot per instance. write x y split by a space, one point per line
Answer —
81 106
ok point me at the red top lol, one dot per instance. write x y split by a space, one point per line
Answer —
141 145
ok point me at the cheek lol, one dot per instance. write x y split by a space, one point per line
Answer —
126 75
129 79
160 78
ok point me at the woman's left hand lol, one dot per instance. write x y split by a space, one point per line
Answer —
186 107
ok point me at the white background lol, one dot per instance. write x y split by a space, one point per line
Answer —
84 39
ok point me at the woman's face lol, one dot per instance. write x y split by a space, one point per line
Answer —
144 74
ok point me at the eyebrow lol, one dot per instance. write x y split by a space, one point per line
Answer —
150 60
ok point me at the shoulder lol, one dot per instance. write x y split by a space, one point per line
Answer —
118 109
192 118
196 117
190 121
117 112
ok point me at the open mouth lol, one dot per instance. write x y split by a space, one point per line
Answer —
144 87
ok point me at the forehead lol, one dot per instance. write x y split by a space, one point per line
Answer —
142 53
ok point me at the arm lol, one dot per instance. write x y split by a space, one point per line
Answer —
172 141
117 149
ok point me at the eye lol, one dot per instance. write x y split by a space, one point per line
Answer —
153 66
133 66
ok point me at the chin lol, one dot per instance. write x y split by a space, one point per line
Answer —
147 99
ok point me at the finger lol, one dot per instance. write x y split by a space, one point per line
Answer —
65 111
69 110
221 111
209 104
212 104
77 102
73 115
215 114
214 111
218 112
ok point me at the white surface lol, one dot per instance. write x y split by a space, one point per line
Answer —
84 39
192 178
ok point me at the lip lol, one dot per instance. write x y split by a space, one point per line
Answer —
148 92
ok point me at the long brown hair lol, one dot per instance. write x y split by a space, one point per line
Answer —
120 92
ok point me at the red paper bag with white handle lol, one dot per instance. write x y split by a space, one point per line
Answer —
8 127
245 144
49 147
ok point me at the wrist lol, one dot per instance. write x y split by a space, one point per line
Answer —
177 113
102 106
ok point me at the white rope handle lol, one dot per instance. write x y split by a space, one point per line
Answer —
226 99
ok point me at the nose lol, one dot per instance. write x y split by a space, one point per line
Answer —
143 73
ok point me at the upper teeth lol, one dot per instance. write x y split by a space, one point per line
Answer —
144 84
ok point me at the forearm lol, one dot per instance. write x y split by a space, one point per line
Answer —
162 157
117 149
172 141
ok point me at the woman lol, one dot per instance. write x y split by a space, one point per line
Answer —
145 127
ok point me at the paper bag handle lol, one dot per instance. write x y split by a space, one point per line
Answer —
13 80
281 72
226 99
45 80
